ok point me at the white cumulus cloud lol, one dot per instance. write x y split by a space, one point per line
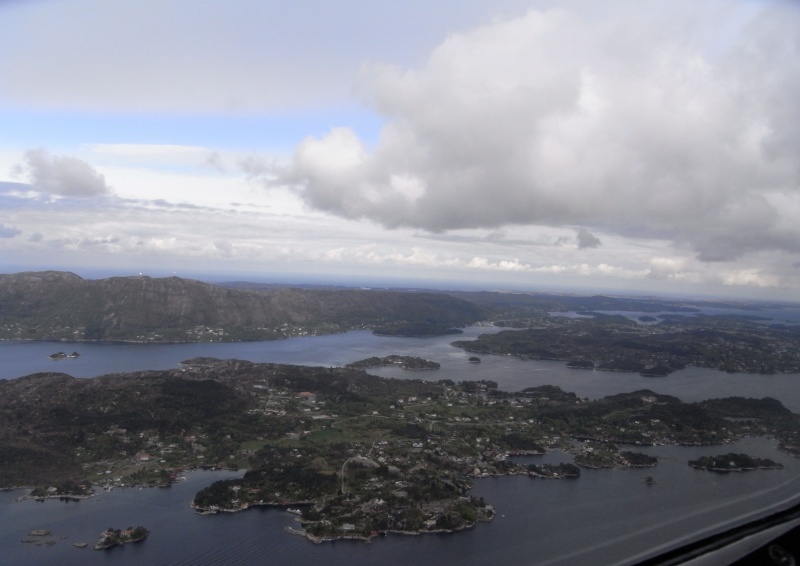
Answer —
614 119
61 175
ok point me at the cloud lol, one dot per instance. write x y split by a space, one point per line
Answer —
667 268
60 175
99 241
256 167
163 156
9 231
750 278
215 161
642 126
160 57
224 248
587 240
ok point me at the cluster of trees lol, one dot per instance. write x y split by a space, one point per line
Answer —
292 481
521 441
639 460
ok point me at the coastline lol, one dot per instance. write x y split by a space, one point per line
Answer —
741 469
364 538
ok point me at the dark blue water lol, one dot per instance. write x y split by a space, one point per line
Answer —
601 518
512 374
604 517
18 358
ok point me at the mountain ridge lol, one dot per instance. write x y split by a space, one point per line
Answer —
56 305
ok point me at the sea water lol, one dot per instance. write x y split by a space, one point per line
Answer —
605 516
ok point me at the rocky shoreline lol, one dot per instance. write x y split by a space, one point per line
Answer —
375 534
115 537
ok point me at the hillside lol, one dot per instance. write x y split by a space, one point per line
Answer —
55 305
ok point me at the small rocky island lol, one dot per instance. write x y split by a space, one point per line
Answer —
732 462
63 356
405 362
40 537
115 537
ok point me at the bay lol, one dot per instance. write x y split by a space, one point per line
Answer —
604 517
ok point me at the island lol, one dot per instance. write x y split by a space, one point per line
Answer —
732 462
115 537
41 537
357 455
405 362
63 356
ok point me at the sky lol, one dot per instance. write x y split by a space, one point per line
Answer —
641 146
